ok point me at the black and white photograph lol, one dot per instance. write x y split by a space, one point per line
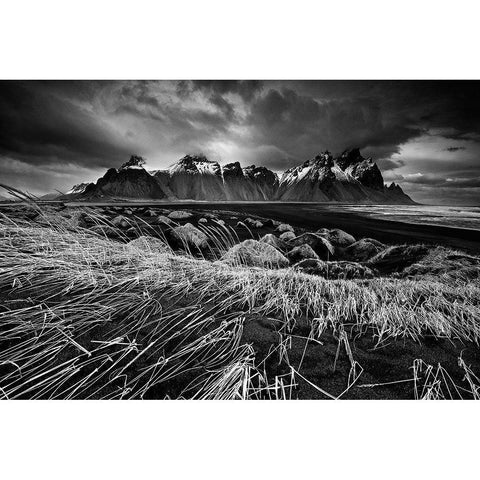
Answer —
240 239
295 251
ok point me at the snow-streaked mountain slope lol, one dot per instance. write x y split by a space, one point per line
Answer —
79 188
131 180
348 178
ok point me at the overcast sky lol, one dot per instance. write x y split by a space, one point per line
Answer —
423 135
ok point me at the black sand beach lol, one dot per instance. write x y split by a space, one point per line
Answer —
314 216
343 351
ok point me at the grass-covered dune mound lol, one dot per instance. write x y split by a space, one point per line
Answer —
83 315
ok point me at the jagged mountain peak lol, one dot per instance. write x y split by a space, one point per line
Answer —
78 188
256 170
347 178
194 158
261 174
232 170
367 173
131 180
317 168
195 163
135 162
349 157
395 188
324 159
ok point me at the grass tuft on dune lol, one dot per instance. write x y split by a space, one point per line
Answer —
85 316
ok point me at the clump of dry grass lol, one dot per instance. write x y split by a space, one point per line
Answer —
449 266
84 316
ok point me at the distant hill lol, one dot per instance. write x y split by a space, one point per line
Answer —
347 178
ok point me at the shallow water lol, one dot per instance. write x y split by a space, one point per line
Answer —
445 216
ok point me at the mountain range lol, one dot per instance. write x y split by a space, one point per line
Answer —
348 178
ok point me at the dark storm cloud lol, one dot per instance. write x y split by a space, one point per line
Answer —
182 121
454 149
302 125
286 107
463 183
427 104
90 125
425 179
452 104
39 124
225 106
389 164
247 89
439 181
